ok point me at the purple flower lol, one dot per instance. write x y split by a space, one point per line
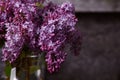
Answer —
58 24
39 28
13 44
54 60
20 29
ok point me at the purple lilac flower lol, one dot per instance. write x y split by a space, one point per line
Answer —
48 29
20 29
54 60
58 24
13 44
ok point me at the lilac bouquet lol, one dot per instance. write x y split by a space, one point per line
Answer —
38 26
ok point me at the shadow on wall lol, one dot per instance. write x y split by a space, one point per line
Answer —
99 58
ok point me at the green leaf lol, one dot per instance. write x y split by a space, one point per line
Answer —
8 68
40 5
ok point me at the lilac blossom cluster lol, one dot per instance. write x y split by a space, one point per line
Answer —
19 28
58 25
41 28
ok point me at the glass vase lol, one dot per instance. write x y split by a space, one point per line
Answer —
30 67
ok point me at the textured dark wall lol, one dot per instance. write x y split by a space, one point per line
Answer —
94 5
99 57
